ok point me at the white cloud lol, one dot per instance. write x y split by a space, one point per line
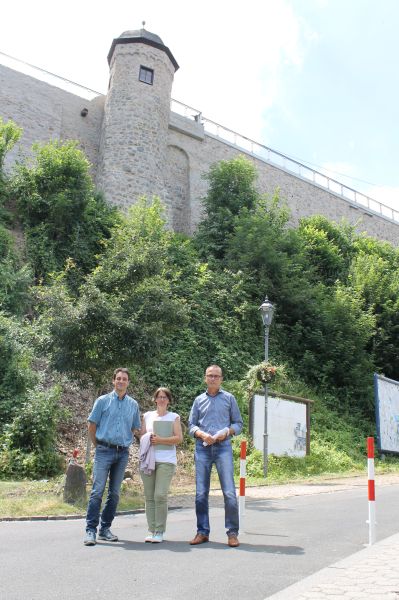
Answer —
234 75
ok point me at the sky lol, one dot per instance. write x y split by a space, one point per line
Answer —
316 80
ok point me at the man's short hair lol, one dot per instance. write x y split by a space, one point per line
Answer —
120 370
214 367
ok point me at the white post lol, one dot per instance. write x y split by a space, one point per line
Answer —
371 490
243 472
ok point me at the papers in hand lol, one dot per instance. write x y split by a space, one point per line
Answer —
218 434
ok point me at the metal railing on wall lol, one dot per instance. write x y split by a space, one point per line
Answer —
233 138
286 163
48 77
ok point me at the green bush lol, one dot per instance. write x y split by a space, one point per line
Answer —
16 374
64 218
9 135
15 464
126 307
231 190
28 442
15 277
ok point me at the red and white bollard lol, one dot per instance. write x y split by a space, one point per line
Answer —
371 489
243 472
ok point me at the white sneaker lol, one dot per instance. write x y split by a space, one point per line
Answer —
157 538
150 537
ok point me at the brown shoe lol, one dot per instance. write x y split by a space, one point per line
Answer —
199 539
232 541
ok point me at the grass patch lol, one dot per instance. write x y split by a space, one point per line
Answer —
45 498
33 498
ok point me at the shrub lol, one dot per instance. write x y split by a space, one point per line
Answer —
63 217
28 443
16 374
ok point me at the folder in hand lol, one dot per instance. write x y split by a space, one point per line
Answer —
163 429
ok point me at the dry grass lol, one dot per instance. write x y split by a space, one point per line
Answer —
33 498
45 498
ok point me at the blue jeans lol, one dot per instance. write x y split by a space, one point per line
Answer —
107 462
221 455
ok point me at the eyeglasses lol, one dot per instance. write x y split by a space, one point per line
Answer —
213 376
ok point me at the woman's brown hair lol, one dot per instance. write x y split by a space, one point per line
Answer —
165 390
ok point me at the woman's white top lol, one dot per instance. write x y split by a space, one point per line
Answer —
163 452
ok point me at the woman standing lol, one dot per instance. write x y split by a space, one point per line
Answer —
166 432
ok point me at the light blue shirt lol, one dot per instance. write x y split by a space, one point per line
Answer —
212 413
115 418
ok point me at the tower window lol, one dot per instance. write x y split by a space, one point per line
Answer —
146 75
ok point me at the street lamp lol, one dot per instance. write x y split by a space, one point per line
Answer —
266 310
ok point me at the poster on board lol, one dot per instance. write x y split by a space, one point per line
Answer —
286 426
386 392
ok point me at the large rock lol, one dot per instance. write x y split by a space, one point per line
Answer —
75 485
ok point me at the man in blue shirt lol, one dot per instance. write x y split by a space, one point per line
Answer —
214 418
112 422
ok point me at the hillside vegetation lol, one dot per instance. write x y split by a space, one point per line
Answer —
85 288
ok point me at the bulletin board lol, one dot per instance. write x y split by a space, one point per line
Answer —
287 424
387 413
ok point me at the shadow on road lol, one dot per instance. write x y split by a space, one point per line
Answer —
266 505
185 547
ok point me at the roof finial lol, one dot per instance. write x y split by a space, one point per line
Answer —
143 24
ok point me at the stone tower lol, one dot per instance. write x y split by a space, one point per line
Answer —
133 146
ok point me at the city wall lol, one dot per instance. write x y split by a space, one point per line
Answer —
47 112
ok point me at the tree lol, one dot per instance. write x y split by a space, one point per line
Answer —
261 244
221 326
328 247
63 217
324 333
374 276
9 136
231 190
16 373
15 278
125 307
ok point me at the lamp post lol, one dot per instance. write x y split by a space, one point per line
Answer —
266 310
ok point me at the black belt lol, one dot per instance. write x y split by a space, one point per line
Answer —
113 446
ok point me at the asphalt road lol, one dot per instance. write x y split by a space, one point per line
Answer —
282 542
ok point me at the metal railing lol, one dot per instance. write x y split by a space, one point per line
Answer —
286 163
237 140
48 77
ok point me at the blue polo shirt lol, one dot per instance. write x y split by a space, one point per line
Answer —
115 418
212 413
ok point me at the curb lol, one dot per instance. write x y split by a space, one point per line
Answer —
65 517
121 513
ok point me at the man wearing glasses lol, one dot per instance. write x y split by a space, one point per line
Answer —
214 418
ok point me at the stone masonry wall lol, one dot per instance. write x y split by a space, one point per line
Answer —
46 112
303 198
134 135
